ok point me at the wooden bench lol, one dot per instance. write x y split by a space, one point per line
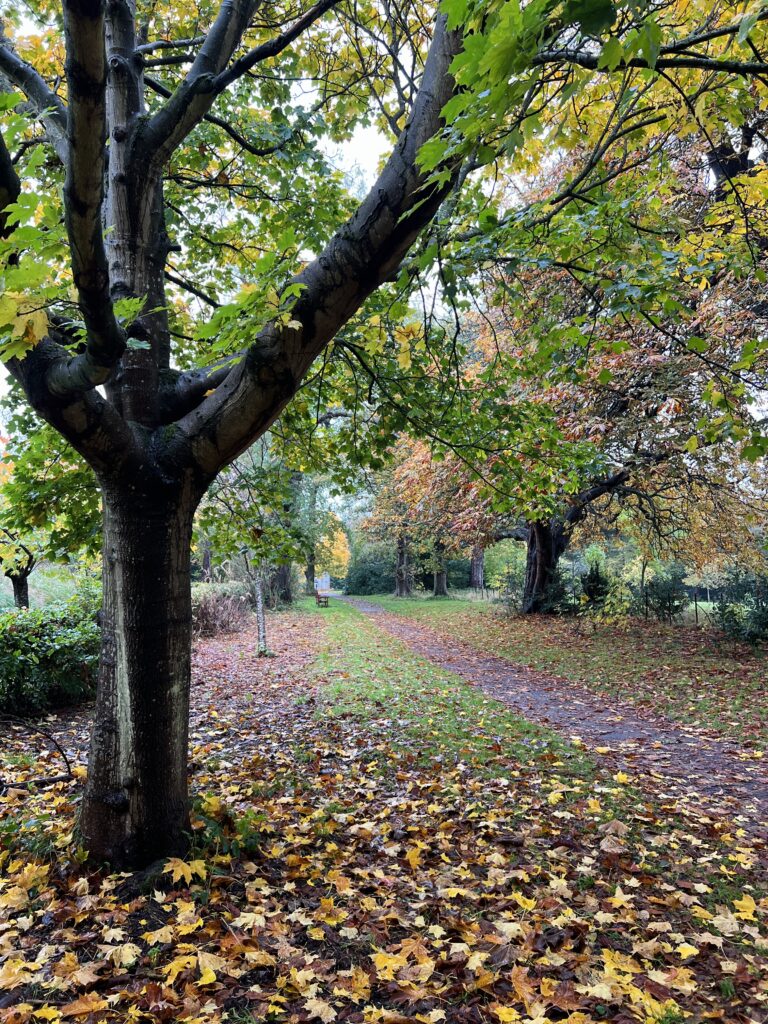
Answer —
321 599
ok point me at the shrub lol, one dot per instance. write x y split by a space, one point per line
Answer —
372 570
741 610
48 657
666 595
219 608
595 585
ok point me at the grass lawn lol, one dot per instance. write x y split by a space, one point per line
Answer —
688 674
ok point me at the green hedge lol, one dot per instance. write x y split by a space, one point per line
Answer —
48 657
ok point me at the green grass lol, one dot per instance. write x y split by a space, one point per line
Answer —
692 675
427 711
48 584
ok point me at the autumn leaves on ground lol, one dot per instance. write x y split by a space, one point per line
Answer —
377 840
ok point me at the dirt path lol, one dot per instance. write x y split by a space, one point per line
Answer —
678 762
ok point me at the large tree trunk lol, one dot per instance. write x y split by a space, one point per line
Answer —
20 590
440 586
477 568
440 581
546 543
403 569
135 807
309 573
282 583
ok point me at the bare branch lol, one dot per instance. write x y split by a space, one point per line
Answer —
191 288
170 44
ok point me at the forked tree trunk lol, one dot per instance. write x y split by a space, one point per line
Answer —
135 808
402 570
20 590
477 568
546 543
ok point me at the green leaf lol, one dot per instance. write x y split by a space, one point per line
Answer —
611 55
592 16
746 26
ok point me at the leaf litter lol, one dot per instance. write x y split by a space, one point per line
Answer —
355 860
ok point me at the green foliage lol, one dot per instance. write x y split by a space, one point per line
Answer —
504 562
666 596
49 657
595 584
741 609
372 570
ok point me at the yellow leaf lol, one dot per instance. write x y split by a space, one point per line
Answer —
622 778
47 1013
746 907
179 869
523 901
413 856
160 935
506 1014
686 950
555 798
175 967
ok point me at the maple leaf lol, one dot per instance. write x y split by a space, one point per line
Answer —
15 972
179 869
524 901
159 936
47 1013
86 1004
319 1008
506 1014
746 907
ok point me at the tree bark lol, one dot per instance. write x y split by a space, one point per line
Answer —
135 808
261 619
440 580
477 568
309 573
546 543
403 569
282 583
440 588
20 590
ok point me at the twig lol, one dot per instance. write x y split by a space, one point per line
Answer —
33 727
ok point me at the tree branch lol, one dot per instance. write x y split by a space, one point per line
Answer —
193 98
590 62
48 107
362 254
273 47
231 131
83 192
